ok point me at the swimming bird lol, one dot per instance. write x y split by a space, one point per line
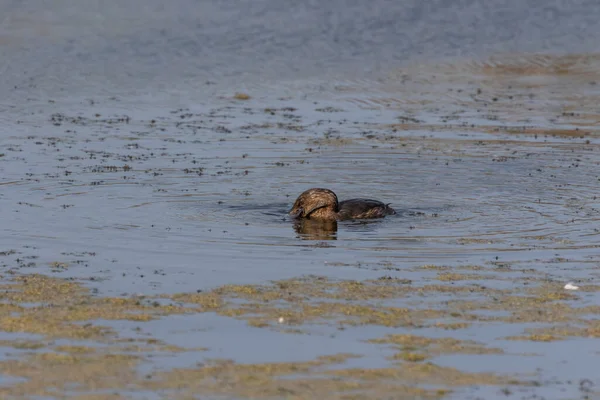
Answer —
318 203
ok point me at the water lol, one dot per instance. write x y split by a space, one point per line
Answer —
92 49
127 162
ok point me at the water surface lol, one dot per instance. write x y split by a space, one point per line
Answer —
128 163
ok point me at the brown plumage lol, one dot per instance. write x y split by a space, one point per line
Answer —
323 204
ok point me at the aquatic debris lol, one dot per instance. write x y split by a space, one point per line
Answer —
571 286
241 96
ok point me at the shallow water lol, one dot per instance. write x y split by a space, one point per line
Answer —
128 163
186 200
140 195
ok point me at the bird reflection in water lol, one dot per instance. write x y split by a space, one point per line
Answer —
313 229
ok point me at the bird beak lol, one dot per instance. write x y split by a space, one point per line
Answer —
297 212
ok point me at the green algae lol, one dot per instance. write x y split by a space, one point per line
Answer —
55 308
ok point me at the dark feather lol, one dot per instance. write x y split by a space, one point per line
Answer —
364 208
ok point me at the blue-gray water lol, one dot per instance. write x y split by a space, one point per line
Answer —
91 48
209 178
